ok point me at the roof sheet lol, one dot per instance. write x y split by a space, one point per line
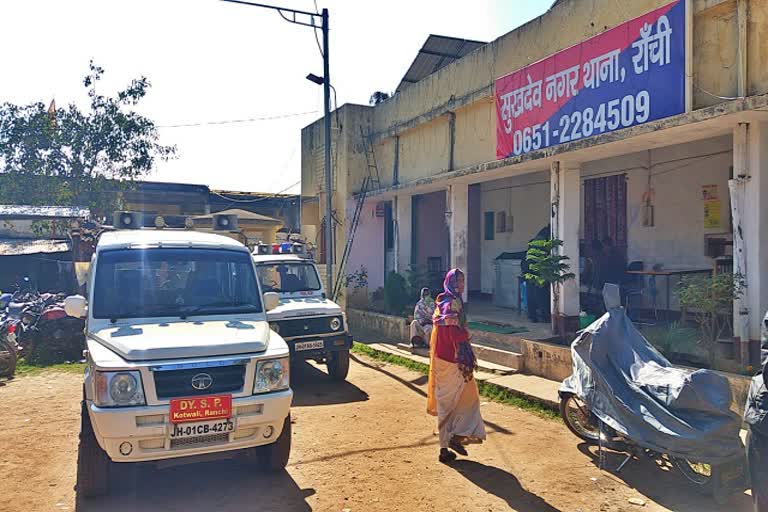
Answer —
18 247
242 215
437 52
27 211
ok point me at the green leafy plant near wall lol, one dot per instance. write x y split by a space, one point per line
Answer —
710 300
547 267
395 294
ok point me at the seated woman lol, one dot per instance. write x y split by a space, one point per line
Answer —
421 327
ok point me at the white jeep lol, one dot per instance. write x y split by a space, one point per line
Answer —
181 361
314 326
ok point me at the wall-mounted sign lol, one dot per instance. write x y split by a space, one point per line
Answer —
708 192
712 214
380 210
629 75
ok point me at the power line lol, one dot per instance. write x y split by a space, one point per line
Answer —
234 121
317 38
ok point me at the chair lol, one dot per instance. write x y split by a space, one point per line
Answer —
633 285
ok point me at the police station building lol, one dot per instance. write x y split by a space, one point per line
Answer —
638 125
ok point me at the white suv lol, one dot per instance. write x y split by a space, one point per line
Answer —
314 326
181 359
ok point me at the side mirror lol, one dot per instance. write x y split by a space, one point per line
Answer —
271 301
76 306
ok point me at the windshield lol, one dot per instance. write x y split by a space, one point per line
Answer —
134 283
288 277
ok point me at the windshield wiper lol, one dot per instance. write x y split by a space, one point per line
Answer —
185 311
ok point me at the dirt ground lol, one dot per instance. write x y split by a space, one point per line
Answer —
366 445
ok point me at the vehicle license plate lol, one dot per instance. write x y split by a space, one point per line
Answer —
308 345
202 428
201 408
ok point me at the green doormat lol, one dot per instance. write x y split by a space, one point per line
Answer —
496 329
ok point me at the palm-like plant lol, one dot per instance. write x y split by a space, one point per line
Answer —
546 266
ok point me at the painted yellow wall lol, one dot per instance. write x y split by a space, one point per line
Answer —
424 148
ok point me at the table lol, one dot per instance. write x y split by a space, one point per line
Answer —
669 273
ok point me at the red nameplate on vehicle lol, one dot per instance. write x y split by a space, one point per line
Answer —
200 408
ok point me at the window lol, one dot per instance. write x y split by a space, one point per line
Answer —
389 227
151 283
288 277
490 230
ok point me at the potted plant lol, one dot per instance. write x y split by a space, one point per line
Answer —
710 300
547 267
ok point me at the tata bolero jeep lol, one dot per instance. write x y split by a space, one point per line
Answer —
314 326
181 361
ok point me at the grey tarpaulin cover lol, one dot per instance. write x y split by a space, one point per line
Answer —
633 389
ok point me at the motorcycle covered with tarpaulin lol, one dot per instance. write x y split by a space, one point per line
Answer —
624 395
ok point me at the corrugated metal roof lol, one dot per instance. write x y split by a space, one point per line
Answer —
32 212
437 52
242 215
18 247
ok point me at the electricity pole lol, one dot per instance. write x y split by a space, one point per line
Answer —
311 19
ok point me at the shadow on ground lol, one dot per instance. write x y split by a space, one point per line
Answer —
414 385
659 481
312 386
502 484
204 487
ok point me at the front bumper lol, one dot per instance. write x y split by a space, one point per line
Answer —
147 429
334 343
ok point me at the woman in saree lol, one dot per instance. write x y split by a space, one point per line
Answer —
452 391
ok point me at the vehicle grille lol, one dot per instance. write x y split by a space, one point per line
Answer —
190 442
307 326
176 383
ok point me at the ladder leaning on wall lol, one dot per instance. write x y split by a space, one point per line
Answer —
370 182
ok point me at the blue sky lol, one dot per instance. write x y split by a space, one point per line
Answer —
212 61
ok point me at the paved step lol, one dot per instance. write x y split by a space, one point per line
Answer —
423 356
534 388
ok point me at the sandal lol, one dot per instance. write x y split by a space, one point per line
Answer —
456 446
446 456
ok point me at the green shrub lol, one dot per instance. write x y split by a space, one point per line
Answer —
395 294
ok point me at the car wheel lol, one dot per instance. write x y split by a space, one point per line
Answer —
338 365
93 464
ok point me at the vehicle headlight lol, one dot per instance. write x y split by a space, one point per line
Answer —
335 324
275 327
119 389
272 375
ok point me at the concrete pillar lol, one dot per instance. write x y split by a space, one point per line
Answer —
565 188
403 236
458 225
750 169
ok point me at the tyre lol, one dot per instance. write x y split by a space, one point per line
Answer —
274 457
93 464
7 359
579 419
338 365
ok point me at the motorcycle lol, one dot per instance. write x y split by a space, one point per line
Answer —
625 396
8 347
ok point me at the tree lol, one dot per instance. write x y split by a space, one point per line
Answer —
70 157
378 97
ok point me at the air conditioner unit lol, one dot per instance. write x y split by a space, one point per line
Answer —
128 220
225 222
